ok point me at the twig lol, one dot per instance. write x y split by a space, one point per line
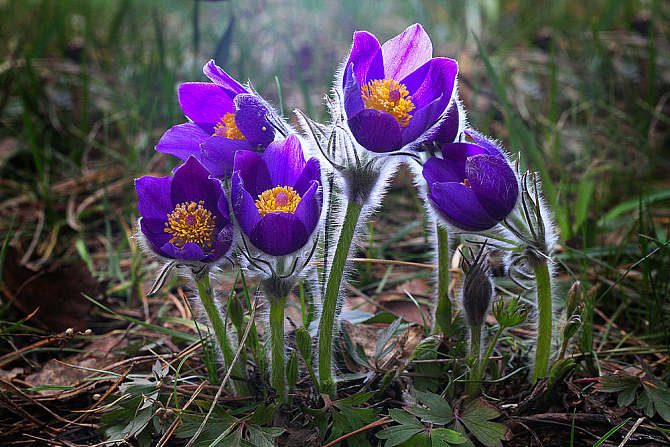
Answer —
382 421
632 430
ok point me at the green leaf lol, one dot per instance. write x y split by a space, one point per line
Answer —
398 434
402 417
263 437
645 403
438 412
353 400
385 337
263 415
626 397
659 394
618 383
441 437
477 418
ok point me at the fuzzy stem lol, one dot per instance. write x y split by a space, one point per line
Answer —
326 325
544 322
207 300
443 310
473 387
278 366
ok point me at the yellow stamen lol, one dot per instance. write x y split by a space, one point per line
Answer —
226 127
466 182
389 96
280 198
191 222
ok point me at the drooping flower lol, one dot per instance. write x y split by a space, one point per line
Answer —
276 197
225 117
185 216
472 186
395 92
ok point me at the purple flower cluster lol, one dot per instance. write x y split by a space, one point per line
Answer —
396 96
276 196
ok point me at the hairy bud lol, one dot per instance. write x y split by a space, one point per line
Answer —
477 290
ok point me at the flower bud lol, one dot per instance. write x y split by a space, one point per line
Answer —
477 290
304 343
235 312
574 299
292 370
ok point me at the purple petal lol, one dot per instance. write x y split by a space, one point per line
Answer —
191 183
217 154
494 183
182 141
153 195
222 79
203 102
244 205
285 161
366 58
309 208
353 101
459 206
406 52
250 118
253 172
436 170
490 146
279 234
189 252
456 154
447 131
311 172
376 131
423 119
433 79
222 244
153 231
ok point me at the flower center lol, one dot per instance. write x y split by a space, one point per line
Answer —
281 198
389 96
226 127
191 222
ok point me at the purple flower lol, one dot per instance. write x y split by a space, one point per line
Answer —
185 216
472 186
225 118
395 92
276 196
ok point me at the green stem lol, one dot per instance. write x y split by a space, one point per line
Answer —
278 367
207 300
327 322
443 310
544 322
472 386
489 351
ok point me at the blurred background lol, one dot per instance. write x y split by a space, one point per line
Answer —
87 87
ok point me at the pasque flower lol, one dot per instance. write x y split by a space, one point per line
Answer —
276 196
395 92
225 117
185 216
472 186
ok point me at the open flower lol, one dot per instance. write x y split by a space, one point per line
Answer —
185 216
225 118
394 93
276 196
472 186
